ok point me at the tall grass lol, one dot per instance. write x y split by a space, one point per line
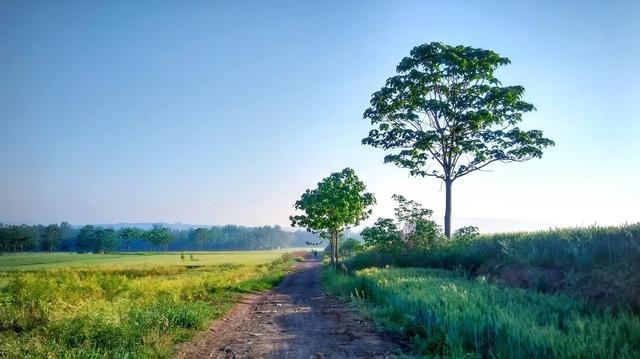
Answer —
447 316
578 248
126 313
600 263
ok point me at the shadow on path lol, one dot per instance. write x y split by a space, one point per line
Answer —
294 320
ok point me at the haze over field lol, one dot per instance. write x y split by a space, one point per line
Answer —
216 113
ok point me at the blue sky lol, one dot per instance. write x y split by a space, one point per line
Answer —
225 112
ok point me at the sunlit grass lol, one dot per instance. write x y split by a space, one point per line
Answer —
30 261
446 316
131 310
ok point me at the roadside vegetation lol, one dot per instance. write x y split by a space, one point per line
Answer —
601 264
561 293
136 312
444 315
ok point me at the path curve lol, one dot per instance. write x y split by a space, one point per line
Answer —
294 320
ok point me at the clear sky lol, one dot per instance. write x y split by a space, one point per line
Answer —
215 112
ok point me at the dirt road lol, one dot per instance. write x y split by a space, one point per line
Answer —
295 320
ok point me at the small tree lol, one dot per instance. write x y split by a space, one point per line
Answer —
85 240
338 202
51 237
128 235
383 235
25 237
350 246
467 233
413 228
417 229
199 237
159 236
447 116
106 240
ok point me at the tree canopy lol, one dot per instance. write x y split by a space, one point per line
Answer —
338 202
412 228
446 115
159 235
50 238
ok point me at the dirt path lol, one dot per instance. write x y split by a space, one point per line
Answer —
295 320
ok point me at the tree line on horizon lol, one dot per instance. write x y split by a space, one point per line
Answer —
98 239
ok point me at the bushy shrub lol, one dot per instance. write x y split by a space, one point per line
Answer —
412 229
466 233
349 246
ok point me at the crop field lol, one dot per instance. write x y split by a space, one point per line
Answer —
444 315
30 261
127 306
561 293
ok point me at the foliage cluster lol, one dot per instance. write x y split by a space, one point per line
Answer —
446 115
443 315
339 201
128 312
20 238
412 229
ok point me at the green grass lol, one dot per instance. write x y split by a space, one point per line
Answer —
122 306
446 316
580 249
31 261
601 264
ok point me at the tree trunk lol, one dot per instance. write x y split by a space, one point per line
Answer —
332 248
447 209
337 255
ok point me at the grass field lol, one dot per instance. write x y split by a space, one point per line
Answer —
443 315
125 306
601 264
31 261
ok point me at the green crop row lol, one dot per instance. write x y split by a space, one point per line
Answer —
443 315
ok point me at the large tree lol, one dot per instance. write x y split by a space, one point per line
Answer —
338 202
446 115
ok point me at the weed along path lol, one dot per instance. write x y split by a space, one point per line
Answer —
295 320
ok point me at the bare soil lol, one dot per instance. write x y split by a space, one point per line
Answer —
295 320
